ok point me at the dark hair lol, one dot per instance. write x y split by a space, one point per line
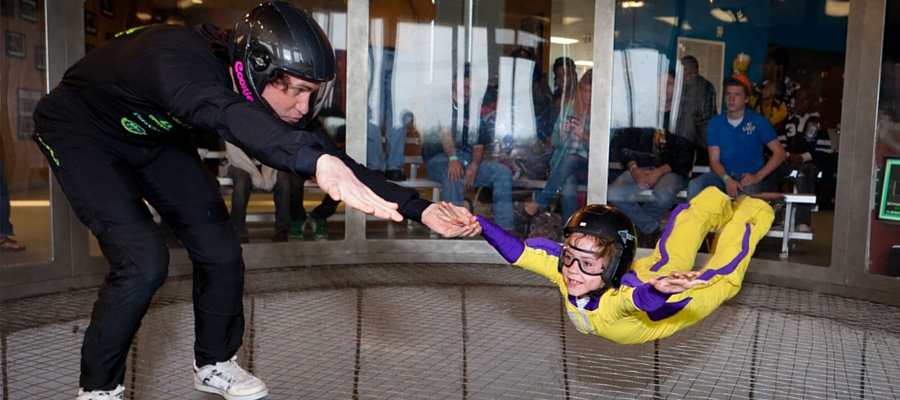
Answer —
467 73
563 61
672 72
780 56
689 58
217 40
731 81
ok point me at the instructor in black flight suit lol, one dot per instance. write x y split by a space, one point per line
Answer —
116 131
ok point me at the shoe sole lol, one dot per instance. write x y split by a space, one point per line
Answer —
252 396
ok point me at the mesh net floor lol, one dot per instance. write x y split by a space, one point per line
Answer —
468 331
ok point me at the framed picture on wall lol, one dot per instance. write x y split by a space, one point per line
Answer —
8 8
40 58
15 44
28 10
90 23
108 8
28 99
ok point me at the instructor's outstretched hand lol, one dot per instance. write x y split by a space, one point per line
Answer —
450 221
339 182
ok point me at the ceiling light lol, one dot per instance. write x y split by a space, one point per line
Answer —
728 16
584 63
632 4
562 40
837 8
144 16
570 20
669 20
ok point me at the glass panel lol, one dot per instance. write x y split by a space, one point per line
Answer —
669 110
326 222
884 247
25 235
463 102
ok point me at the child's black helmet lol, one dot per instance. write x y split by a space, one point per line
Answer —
609 223
279 36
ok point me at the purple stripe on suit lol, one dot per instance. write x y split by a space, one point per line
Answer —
670 309
664 241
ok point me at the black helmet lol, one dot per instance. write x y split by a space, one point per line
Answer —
609 223
279 36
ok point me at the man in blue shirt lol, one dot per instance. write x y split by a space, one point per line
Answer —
735 141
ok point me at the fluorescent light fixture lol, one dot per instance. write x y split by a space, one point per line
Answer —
632 4
837 8
570 20
728 16
188 3
669 20
584 63
562 40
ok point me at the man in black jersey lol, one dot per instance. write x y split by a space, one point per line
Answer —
116 132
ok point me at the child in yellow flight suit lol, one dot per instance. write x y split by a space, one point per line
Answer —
609 296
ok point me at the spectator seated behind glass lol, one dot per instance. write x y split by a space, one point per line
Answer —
698 106
655 159
774 68
455 158
808 150
735 141
568 166
248 174
526 154
384 49
771 104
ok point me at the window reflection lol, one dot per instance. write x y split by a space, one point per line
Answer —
477 105
25 235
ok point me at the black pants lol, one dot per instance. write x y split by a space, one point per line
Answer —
106 180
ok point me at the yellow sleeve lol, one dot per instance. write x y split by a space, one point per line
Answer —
540 262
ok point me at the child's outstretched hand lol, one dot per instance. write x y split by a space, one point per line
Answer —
677 282
452 221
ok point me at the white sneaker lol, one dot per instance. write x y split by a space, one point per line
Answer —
229 380
804 228
116 394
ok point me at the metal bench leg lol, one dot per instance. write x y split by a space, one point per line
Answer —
788 226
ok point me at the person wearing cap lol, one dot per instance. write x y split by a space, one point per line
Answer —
117 134
735 140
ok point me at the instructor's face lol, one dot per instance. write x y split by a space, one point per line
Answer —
290 102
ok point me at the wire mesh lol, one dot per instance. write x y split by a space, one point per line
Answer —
471 332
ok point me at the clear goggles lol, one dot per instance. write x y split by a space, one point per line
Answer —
319 98
588 265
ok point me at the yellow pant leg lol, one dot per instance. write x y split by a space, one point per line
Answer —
724 270
726 267
686 230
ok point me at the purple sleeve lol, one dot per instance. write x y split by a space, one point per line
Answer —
510 247
647 298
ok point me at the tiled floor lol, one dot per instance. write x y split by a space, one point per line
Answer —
460 331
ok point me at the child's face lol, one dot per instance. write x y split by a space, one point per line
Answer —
577 281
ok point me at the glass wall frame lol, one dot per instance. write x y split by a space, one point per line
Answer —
73 267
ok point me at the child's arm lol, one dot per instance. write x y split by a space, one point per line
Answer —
677 282
509 246
543 260
654 294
